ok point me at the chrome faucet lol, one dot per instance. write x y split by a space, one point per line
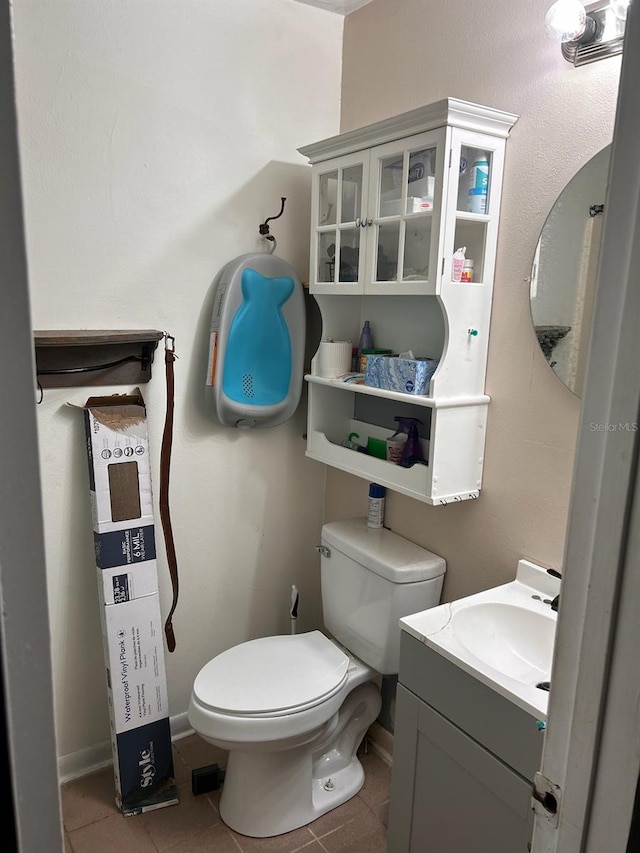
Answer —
556 601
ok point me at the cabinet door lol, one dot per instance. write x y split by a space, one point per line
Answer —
472 207
449 793
338 199
405 197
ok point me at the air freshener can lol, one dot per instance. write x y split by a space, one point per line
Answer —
375 509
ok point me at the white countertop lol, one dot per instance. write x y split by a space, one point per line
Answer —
483 646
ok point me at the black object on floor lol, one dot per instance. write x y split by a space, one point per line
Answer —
205 779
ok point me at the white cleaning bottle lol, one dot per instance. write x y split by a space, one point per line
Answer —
479 185
457 264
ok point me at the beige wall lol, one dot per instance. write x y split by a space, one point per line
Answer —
399 54
155 137
145 170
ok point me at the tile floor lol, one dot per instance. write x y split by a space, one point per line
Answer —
92 824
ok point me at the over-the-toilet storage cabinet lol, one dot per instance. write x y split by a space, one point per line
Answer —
390 206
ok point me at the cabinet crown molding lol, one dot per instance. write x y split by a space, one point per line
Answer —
448 111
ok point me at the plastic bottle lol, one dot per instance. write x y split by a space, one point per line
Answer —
353 445
366 337
479 185
412 450
375 510
457 264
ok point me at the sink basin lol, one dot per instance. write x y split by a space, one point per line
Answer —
511 639
503 636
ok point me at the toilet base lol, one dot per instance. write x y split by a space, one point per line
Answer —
270 793
335 790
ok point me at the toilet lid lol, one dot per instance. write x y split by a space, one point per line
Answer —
272 674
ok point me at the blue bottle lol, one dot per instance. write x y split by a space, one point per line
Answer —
479 185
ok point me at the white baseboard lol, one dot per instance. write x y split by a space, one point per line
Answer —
84 761
180 726
96 757
382 741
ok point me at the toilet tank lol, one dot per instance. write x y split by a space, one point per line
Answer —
370 579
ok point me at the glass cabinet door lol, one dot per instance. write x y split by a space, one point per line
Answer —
405 189
340 191
472 210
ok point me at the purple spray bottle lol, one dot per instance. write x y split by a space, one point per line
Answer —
412 450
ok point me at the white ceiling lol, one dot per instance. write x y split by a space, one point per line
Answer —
341 7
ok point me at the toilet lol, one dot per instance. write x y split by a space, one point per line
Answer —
293 709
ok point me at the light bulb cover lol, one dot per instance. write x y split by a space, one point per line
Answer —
620 8
566 20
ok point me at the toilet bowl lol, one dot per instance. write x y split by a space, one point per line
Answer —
292 710
292 726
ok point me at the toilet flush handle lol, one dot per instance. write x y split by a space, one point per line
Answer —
323 550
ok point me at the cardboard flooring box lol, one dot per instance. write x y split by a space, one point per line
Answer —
125 559
137 692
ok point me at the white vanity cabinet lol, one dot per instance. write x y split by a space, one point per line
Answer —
391 203
464 760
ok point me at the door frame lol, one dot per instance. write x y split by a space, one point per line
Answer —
592 743
25 648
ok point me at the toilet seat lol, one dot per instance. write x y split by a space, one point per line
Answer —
272 676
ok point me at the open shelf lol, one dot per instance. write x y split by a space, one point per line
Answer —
93 357
413 481
412 399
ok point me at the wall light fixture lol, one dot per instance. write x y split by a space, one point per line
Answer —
587 33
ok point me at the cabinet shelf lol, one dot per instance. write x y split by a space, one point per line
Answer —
409 481
472 217
412 399
377 288
388 213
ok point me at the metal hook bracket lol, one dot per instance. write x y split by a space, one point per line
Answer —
264 228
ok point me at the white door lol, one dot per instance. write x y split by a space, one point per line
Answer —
591 757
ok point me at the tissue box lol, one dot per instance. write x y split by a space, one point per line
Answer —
407 375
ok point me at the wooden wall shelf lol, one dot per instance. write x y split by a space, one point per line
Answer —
91 357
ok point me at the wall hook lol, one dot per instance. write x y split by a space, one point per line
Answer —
264 228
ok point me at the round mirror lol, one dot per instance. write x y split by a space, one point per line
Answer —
563 275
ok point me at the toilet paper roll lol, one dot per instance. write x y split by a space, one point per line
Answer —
334 358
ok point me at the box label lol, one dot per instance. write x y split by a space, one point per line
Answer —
124 547
126 583
133 636
121 589
145 766
120 476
